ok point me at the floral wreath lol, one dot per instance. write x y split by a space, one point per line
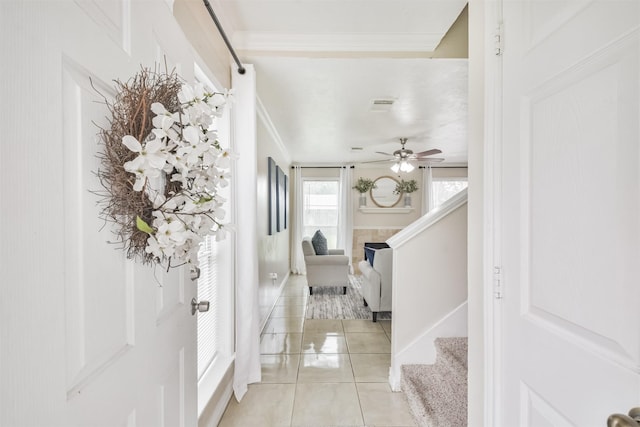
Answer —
162 167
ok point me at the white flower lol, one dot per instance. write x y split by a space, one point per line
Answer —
183 147
163 119
217 100
149 162
171 231
153 247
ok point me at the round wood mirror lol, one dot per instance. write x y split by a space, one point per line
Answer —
382 194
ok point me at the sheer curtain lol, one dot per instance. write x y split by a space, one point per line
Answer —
297 226
345 213
427 189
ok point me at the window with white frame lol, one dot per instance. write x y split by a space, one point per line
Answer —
215 328
445 188
320 208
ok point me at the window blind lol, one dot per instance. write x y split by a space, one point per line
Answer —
208 290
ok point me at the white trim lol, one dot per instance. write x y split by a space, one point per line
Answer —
263 115
378 227
343 42
385 210
280 289
492 337
212 379
202 71
211 418
428 220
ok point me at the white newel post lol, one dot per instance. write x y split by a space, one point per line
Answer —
247 362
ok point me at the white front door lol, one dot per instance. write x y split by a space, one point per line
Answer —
89 338
571 212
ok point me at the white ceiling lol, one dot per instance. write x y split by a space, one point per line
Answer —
320 64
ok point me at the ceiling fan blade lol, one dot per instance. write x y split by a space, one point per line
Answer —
386 154
379 161
430 160
428 153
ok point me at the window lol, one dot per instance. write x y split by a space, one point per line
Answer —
445 188
208 290
321 208
215 328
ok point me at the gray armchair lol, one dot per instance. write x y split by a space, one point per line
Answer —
325 270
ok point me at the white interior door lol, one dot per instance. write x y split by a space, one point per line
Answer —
571 212
88 337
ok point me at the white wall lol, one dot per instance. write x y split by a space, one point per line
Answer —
273 251
385 220
429 284
430 277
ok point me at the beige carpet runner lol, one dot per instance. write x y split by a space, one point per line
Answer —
437 394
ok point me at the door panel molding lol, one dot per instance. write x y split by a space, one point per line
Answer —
98 307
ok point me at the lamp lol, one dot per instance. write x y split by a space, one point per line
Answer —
402 166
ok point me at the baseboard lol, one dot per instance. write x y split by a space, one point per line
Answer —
280 288
422 349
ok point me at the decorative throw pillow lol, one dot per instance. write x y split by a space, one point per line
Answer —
319 243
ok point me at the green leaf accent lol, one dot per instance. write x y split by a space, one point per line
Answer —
143 226
204 199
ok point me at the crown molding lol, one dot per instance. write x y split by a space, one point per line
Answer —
263 114
344 42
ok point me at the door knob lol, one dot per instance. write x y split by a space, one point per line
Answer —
621 420
201 306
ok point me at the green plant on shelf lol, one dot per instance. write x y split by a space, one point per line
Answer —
363 185
406 187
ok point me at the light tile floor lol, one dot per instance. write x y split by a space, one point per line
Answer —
320 372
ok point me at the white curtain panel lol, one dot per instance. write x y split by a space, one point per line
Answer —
427 189
345 213
297 226
247 362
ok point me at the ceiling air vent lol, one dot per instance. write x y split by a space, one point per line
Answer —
382 104
356 148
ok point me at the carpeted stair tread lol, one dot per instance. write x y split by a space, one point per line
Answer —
434 402
437 394
452 355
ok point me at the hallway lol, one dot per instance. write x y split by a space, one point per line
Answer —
320 372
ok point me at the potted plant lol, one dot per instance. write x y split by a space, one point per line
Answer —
363 185
406 188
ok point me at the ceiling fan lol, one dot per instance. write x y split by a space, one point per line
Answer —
403 156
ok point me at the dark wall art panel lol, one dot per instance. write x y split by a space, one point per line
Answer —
286 201
273 196
281 199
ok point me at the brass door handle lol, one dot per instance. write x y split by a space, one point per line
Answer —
621 420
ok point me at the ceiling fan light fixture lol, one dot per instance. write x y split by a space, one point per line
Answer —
406 166
395 167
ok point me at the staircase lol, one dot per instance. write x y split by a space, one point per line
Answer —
437 394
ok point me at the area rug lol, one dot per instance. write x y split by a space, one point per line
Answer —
328 302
